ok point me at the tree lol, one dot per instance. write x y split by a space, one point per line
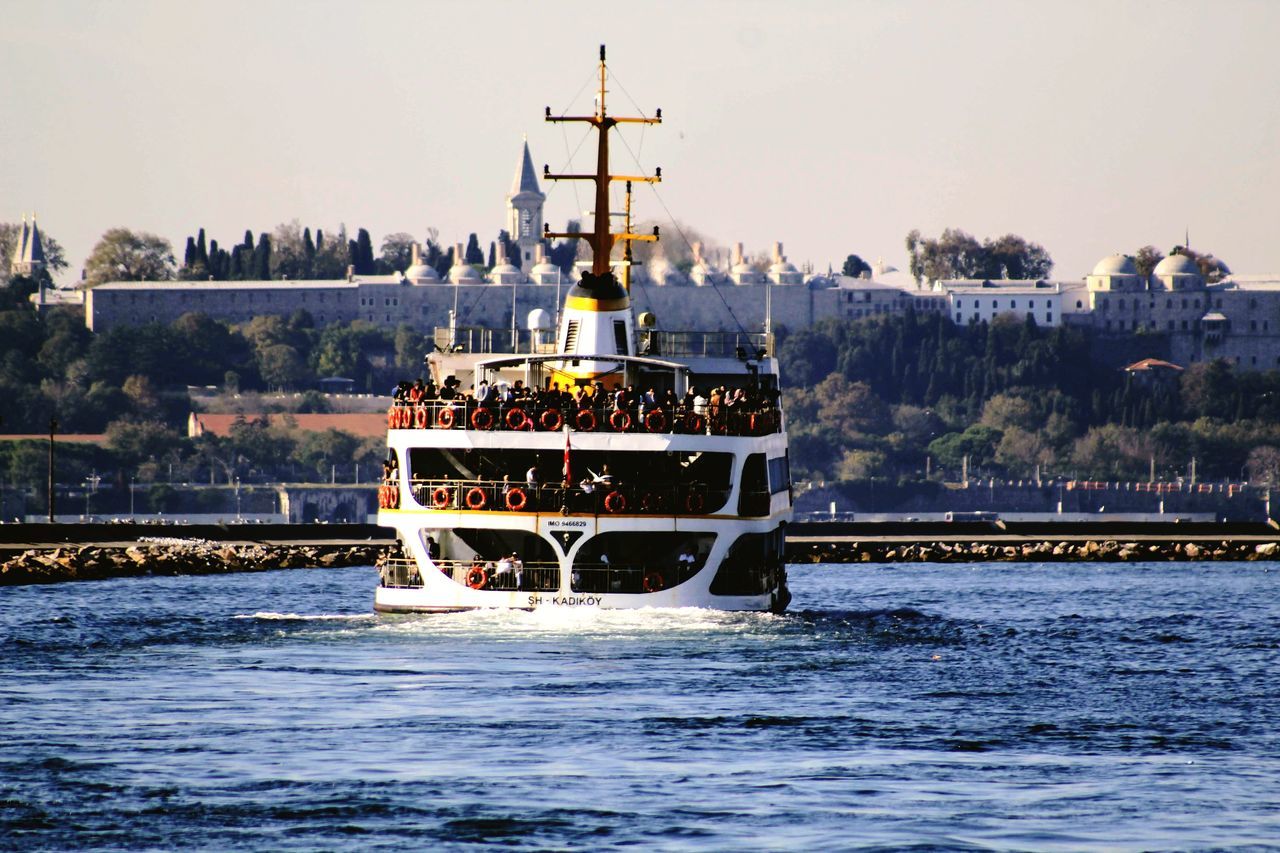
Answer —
473 255
362 257
1264 465
1146 258
807 357
957 254
855 266
262 258
135 441
396 253
281 366
124 255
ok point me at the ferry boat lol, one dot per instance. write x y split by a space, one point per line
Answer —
621 466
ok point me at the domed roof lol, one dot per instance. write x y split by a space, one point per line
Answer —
539 320
422 274
1177 265
1115 265
464 274
505 274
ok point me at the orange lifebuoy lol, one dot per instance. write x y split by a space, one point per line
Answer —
476 498
620 420
516 419
382 497
406 417
552 420
694 423
615 502
482 418
650 502
516 499
586 420
393 497
656 421
445 419
392 418
441 497
654 582
695 503
420 418
477 577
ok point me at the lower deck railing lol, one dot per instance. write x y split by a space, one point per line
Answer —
598 577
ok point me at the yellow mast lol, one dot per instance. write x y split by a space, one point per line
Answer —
600 238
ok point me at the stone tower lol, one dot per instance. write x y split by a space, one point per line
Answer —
524 209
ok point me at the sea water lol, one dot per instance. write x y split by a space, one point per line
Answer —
1043 707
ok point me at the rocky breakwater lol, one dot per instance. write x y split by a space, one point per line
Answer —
161 556
1108 550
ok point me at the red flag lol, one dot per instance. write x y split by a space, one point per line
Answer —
568 477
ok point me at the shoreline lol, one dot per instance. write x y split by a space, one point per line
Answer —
44 554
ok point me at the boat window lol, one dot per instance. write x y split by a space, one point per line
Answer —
464 549
779 474
754 497
639 562
751 566
620 337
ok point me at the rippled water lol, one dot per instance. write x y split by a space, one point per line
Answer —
987 706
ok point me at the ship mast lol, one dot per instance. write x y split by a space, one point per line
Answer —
600 238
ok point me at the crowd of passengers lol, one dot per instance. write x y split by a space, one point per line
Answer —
717 405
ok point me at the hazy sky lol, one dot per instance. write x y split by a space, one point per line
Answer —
835 127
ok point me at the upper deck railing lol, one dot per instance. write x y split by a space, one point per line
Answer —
739 419
660 344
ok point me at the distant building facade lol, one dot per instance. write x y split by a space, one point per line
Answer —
1190 320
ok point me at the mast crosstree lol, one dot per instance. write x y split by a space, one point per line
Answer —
600 282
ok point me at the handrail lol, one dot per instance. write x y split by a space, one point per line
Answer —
603 499
529 416
593 576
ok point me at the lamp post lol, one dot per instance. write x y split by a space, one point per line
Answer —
131 514
53 428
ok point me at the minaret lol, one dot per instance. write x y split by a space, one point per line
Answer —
524 209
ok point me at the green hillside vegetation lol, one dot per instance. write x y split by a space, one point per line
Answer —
892 397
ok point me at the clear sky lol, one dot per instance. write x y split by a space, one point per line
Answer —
836 127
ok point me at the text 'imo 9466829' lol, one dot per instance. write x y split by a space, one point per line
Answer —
619 466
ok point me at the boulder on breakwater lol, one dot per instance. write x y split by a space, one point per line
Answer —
176 557
1108 550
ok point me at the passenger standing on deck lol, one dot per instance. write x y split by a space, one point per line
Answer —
433 549
517 566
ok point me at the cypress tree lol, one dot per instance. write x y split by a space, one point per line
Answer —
189 255
248 240
364 253
262 258
308 254
202 254
493 255
474 254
